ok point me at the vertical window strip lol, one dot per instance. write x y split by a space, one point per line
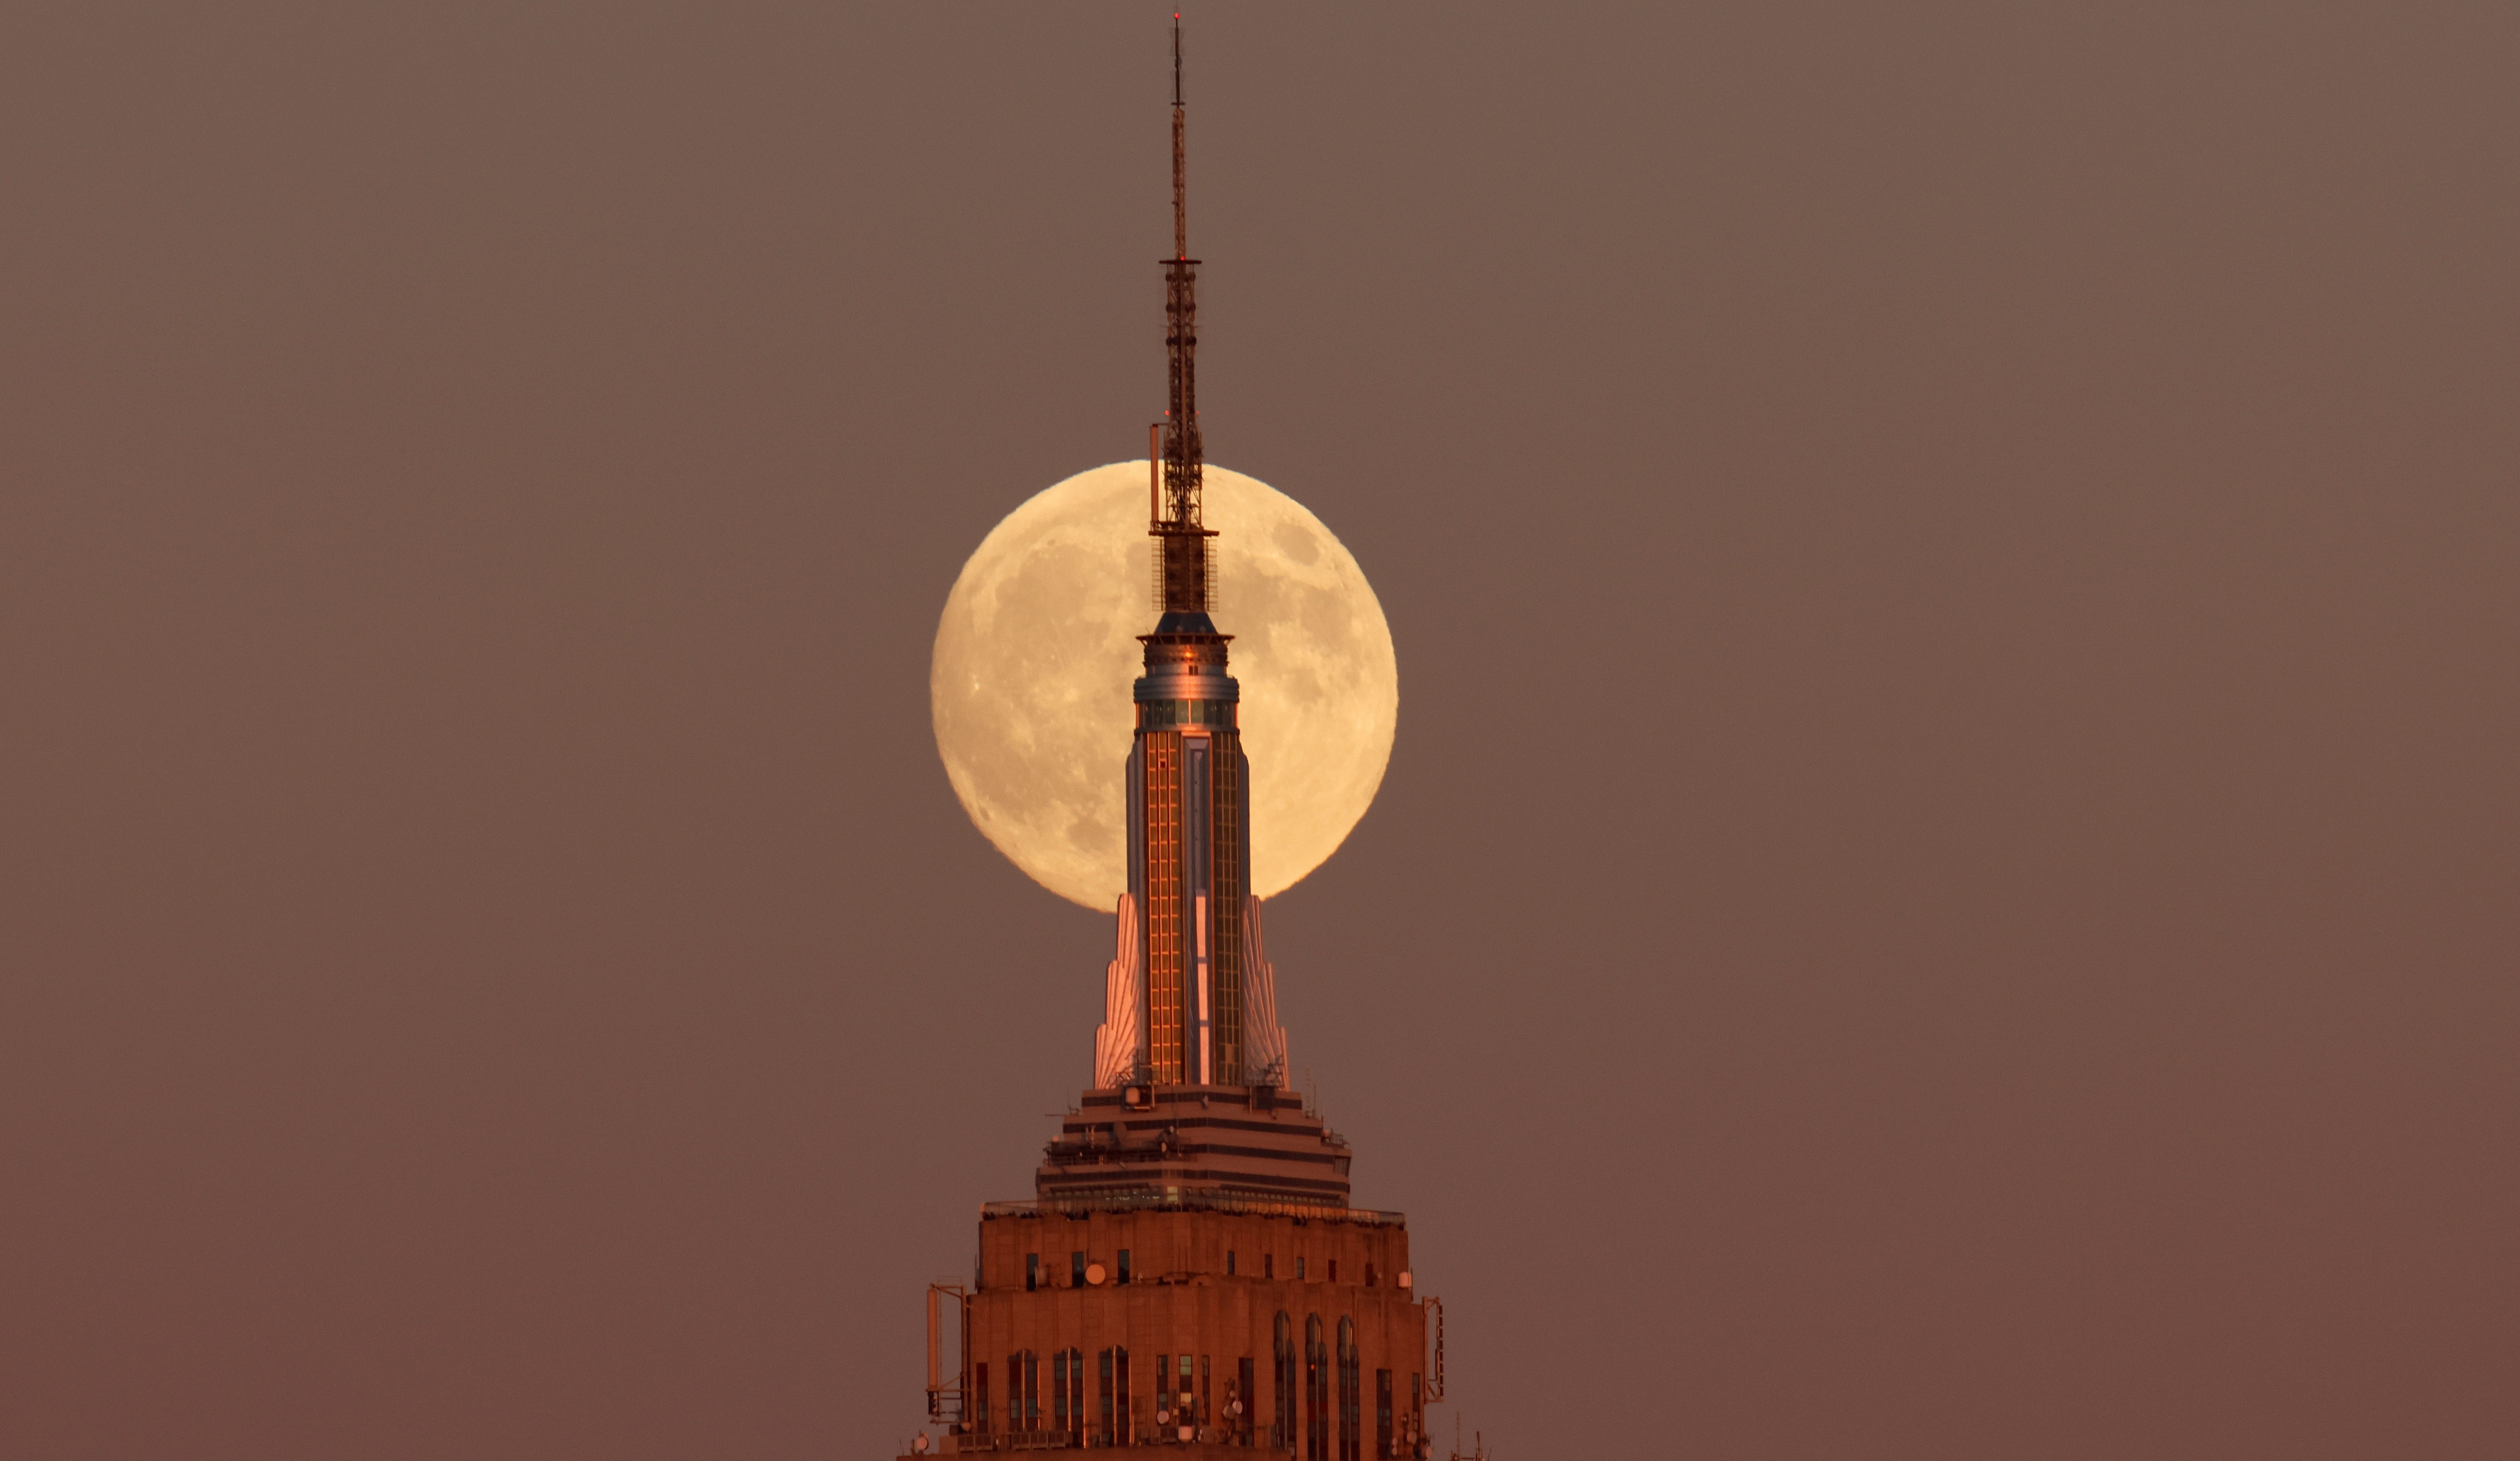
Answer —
1281 1387
1165 1032
1317 1400
1350 1402
1231 881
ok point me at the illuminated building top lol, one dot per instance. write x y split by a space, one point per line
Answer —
1189 1273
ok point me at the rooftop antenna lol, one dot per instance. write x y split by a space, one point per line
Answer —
1185 564
1181 223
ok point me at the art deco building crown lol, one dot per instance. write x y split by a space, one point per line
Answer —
1190 1272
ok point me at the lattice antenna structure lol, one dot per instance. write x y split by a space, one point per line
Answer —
1185 557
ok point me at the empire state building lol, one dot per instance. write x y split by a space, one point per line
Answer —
1188 1272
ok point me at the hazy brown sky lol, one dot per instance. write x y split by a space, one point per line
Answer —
1950 885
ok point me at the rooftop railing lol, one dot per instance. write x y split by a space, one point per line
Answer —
1192 1201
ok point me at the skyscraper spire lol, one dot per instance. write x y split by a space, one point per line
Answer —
1185 561
1181 216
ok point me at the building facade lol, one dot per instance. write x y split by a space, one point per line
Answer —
1191 1326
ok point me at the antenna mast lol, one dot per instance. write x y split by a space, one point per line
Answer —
1184 563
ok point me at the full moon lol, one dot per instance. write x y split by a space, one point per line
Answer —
1038 646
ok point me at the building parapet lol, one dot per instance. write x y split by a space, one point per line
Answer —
1080 1203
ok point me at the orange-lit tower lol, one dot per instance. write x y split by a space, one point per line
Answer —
1190 845
1190 1272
